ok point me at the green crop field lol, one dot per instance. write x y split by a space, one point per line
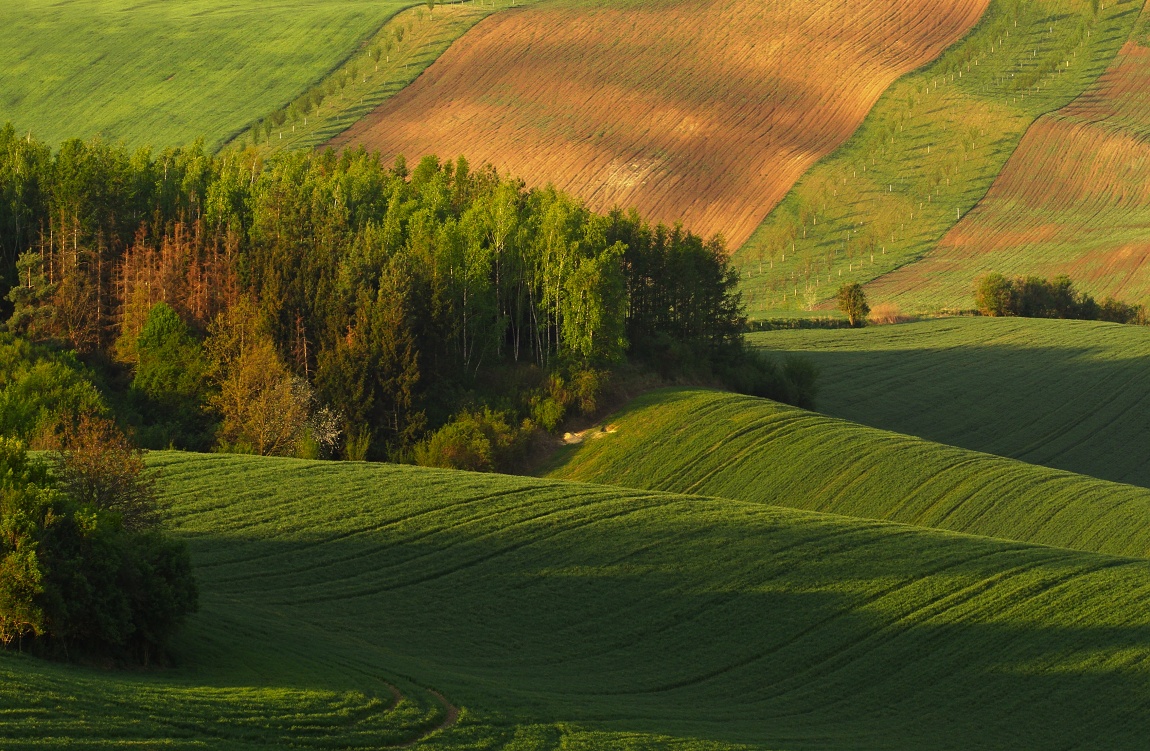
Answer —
720 444
928 151
1067 394
164 73
341 601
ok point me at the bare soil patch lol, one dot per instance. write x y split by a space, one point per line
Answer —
700 111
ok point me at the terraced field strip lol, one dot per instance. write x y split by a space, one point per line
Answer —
1073 199
928 151
720 444
560 615
693 110
1067 394
406 45
164 73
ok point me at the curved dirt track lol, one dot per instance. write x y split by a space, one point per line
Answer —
450 718
693 110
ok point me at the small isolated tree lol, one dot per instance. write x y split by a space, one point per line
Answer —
431 8
97 466
852 302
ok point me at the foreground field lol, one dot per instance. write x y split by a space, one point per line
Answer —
558 615
929 150
1067 394
692 110
1073 199
720 444
165 73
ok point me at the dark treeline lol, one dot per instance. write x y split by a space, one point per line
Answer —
334 305
1034 297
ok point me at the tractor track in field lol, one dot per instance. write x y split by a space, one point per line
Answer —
450 717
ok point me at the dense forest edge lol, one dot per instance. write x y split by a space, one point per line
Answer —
326 305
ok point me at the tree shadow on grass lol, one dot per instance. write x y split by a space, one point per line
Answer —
782 634
1062 407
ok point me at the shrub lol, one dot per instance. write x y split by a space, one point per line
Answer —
169 387
993 295
587 387
800 377
547 411
887 313
263 406
795 382
479 441
1116 311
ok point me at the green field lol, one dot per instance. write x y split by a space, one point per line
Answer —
362 83
1067 394
164 73
928 151
720 444
583 617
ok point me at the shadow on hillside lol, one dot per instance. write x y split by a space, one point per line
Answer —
1060 407
807 634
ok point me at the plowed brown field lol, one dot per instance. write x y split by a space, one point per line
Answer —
694 110
1073 199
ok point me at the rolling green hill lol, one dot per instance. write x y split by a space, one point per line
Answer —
720 444
582 617
165 73
929 150
1067 394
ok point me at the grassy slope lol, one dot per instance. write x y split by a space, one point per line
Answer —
720 444
588 617
1068 394
928 151
361 84
1073 199
163 73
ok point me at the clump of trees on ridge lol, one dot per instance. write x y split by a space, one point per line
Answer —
1034 297
327 304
